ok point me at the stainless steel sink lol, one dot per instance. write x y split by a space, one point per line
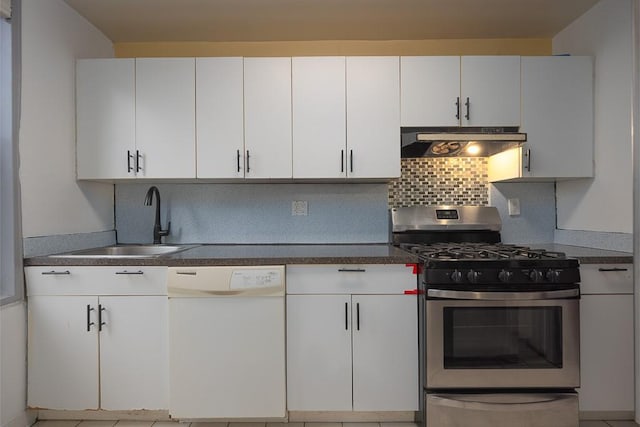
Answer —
125 251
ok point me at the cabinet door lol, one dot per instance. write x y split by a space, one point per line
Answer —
557 115
319 117
219 118
373 117
134 359
267 117
105 118
430 90
606 353
319 353
385 353
165 117
63 352
492 86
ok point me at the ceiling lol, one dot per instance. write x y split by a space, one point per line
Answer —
303 20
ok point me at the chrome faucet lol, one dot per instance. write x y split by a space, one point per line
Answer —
158 232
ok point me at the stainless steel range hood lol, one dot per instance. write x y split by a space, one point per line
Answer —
458 142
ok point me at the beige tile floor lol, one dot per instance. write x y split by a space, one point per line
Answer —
52 423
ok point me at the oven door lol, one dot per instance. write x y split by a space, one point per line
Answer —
502 339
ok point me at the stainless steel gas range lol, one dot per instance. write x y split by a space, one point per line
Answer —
499 323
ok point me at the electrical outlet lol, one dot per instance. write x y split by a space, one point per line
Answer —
299 208
514 207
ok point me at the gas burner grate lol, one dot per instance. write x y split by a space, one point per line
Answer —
479 251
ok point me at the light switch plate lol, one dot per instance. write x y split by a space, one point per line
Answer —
514 207
299 208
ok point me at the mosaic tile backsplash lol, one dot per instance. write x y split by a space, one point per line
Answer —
441 181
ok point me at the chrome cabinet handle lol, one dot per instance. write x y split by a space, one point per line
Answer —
56 273
138 157
89 322
139 272
187 273
351 270
613 269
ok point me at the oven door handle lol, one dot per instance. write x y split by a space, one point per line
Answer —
533 402
503 296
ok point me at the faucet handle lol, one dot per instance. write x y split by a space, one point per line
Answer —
167 231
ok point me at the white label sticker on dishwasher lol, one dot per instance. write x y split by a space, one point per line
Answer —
247 279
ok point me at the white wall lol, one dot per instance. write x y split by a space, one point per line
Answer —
605 202
13 356
53 36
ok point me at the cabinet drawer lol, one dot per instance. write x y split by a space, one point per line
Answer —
350 279
64 280
606 279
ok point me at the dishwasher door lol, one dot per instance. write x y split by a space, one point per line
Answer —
227 342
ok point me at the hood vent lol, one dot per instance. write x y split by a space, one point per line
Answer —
458 142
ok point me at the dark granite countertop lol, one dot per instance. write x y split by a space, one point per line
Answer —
589 255
212 255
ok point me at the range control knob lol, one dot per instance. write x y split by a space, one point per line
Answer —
536 275
505 276
474 276
553 275
456 276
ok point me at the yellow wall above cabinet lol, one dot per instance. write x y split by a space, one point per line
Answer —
337 47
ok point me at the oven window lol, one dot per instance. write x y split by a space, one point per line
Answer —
502 337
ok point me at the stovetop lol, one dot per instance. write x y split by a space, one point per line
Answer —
460 246
479 251
486 264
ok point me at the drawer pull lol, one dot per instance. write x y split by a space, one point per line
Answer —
187 273
613 269
351 270
56 273
130 272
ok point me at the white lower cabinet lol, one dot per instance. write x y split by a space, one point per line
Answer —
101 350
606 338
351 352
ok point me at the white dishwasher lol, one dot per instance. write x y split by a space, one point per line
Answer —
227 342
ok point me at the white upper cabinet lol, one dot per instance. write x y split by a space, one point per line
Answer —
105 118
430 90
373 117
319 117
460 91
557 115
267 117
219 118
165 117
346 117
490 91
